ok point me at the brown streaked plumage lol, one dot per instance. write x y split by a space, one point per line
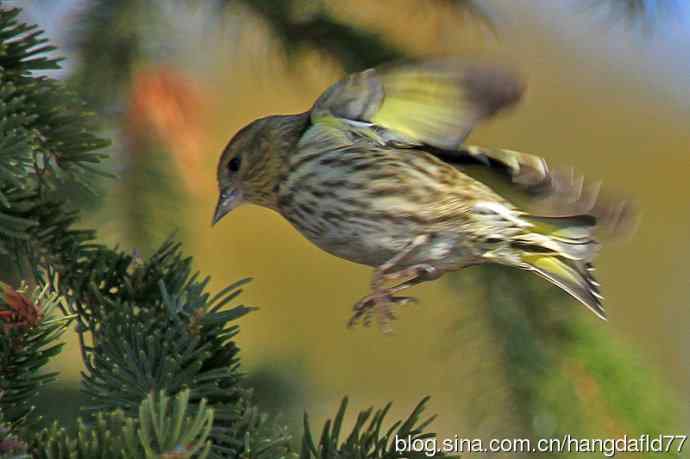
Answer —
377 173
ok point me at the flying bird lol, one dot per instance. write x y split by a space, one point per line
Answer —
377 172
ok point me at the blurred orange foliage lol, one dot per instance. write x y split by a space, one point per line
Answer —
168 107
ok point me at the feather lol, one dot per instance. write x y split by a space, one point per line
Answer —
434 102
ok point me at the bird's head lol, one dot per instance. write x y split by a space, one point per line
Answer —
250 167
236 167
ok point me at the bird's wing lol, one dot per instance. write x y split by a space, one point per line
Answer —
527 179
511 172
529 172
433 102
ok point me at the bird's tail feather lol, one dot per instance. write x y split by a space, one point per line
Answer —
572 236
561 249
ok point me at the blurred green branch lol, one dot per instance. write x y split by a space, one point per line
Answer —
109 41
566 373
353 47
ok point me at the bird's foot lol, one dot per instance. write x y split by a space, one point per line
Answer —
381 300
380 304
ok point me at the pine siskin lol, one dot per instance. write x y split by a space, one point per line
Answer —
376 172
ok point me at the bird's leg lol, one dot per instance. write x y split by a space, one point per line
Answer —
381 298
378 279
421 273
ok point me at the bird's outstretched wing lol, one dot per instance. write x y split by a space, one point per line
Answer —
432 102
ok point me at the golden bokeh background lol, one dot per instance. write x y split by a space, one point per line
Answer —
594 101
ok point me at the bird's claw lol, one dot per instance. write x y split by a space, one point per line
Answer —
381 304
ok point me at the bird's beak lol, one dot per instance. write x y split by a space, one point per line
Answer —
228 200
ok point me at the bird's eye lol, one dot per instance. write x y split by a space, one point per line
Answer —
234 164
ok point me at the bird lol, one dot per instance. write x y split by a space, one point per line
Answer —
377 172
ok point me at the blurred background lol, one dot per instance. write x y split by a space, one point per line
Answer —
608 93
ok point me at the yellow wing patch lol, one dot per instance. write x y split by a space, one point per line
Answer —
435 102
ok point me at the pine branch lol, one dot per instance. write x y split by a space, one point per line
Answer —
45 136
11 446
368 439
153 327
29 330
163 427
